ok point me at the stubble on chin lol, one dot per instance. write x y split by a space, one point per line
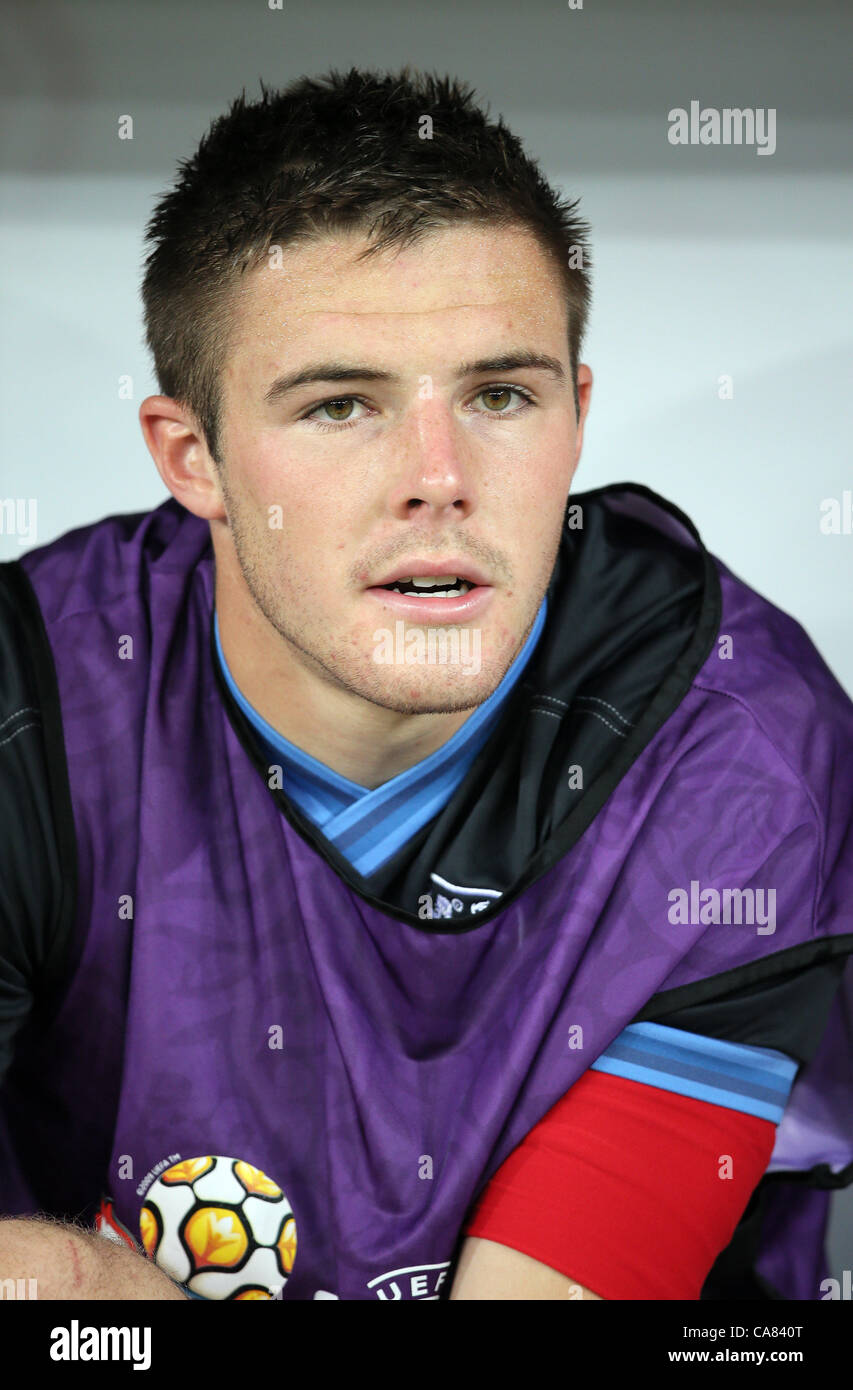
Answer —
400 688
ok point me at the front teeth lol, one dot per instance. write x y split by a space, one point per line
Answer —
436 586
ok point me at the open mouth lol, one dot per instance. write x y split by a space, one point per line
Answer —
433 586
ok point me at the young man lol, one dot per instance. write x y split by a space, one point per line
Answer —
418 881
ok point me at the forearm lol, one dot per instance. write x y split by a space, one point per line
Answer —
70 1262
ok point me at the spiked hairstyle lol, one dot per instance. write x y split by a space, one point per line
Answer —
334 154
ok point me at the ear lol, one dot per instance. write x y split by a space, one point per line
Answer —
584 397
177 445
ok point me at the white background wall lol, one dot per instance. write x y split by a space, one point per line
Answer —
707 260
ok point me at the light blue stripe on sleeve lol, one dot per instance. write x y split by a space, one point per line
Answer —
755 1080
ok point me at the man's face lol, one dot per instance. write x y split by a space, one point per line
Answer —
335 488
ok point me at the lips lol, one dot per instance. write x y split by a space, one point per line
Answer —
462 603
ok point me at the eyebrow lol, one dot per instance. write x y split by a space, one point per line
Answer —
344 371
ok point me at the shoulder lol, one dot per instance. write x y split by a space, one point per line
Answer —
766 664
782 718
114 559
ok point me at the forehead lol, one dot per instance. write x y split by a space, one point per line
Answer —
478 275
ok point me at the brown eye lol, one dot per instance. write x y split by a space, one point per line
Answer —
345 403
498 398
502 393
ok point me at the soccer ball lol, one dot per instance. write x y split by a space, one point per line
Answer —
220 1227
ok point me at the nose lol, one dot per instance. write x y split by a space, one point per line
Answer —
435 475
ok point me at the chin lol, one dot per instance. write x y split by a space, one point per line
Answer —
415 691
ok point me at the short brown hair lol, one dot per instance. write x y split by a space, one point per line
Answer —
325 155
